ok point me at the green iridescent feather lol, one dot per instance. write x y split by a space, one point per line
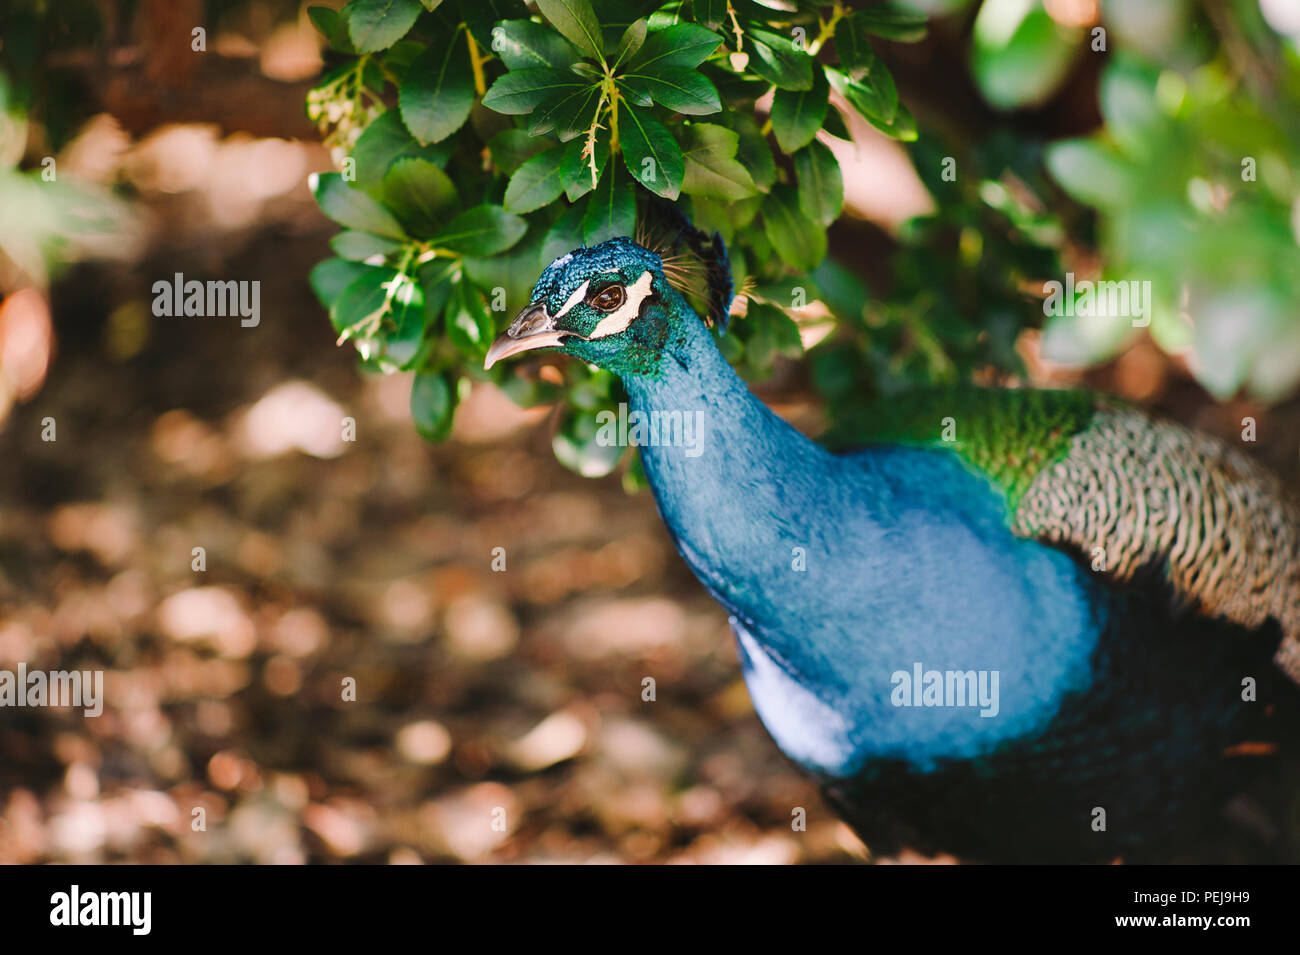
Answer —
1009 436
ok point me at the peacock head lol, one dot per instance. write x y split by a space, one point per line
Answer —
611 305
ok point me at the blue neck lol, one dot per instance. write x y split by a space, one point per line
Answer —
747 462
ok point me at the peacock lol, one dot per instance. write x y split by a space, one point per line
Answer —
1007 625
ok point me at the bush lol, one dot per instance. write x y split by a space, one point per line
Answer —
514 140
476 142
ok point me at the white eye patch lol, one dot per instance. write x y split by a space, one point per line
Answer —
578 295
618 320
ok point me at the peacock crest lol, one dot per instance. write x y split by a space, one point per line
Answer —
695 263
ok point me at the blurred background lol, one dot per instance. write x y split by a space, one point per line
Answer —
371 559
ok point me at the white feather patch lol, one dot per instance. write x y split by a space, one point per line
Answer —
578 295
619 320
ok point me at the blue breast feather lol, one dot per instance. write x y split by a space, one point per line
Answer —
841 571
883 592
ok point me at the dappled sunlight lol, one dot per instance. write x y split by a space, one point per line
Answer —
291 416
880 184
26 345
212 614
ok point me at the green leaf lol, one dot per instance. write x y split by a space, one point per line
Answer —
566 234
359 246
420 195
437 89
652 155
615 16
683 44
397 59
361 299
742 213
385 141
903 128
854 48
798 241
329 278
637 95
437 277
536 183
710 13
324 19
522 91
880 83
375 25
481 15
566 115
1090 172
711 166
333 27
576 22
580 446
714 215
611 210
774 333
562 115
787 292
633 38
373 77
774 58
841 289
754 153
402 330
351 207
874 96
575 168
483 230
1129 103
523 45
798 114
469 325
893 21
511 148
513 272
739 88
821 185
678 88
1020 54
834 125
433 405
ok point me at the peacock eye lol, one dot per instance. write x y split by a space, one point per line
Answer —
609 299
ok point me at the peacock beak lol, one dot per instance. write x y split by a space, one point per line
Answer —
532 328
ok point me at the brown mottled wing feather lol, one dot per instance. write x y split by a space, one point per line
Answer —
1151 493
